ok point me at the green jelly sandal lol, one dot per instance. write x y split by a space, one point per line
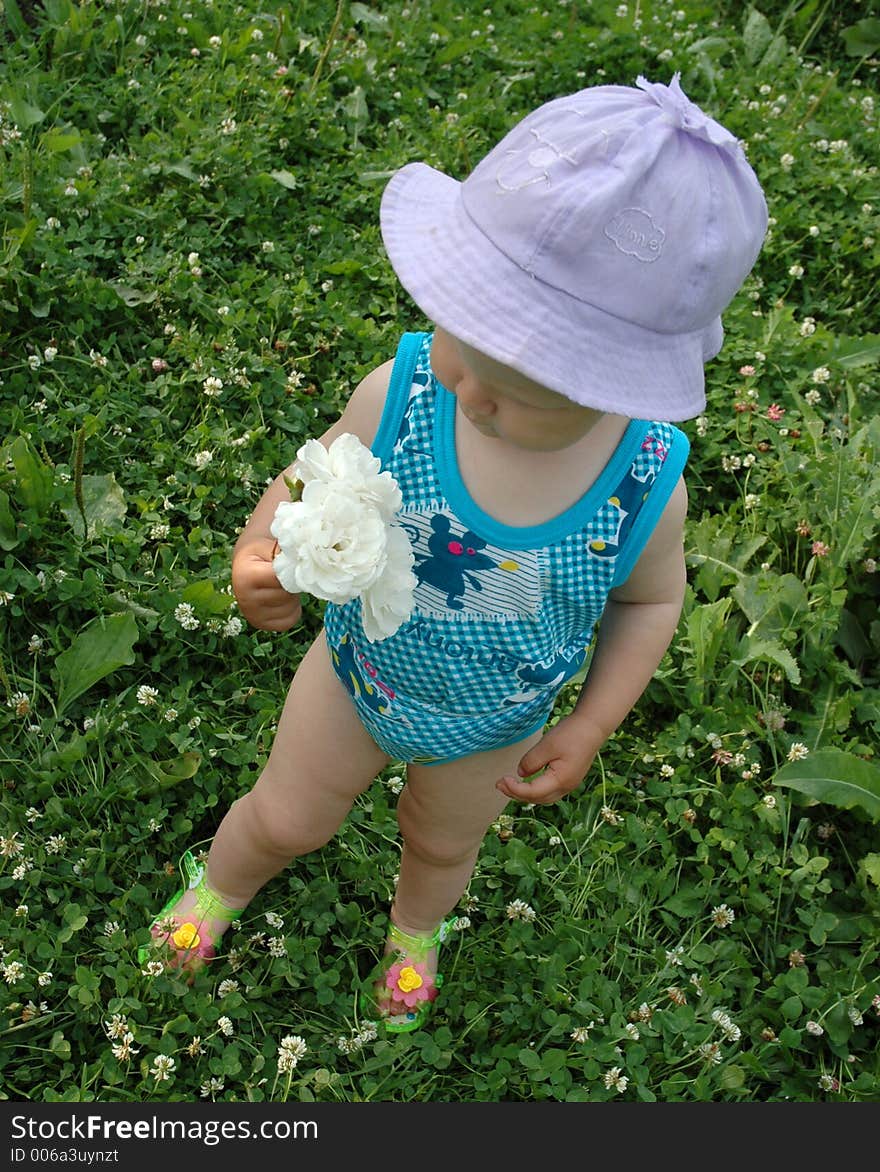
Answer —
183 941
411 990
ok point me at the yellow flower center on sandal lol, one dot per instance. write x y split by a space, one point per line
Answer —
186 936
409 979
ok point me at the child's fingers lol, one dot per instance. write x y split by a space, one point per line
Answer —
535 759
543 788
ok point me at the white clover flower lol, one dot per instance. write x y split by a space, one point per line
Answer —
186 616
726 1024
290 1051
123 1050
722 916
797 752
163 1067
12 971
518 909
146 695
21 702
226 987
10 847
117 1026
616 1080
339 540
225 1026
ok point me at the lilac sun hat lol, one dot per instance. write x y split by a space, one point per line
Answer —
593 249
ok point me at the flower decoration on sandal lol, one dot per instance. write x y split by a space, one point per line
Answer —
186 937
187 943
409 984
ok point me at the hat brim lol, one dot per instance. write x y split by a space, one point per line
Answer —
468 287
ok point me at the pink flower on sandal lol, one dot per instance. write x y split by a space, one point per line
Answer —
409 984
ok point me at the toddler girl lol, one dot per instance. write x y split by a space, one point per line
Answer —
574 281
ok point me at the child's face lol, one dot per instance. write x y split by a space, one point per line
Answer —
504 404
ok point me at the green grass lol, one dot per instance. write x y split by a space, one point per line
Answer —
189 192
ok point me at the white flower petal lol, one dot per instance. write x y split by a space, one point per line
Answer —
338 541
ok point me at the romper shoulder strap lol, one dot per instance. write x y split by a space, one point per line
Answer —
664 452
398 393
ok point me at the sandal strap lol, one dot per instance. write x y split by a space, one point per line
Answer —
418 944
208 902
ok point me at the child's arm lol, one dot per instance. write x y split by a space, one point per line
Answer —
637 626
261 598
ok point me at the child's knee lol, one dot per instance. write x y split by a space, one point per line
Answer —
274 827
441 847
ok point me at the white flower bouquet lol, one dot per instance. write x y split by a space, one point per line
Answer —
339 538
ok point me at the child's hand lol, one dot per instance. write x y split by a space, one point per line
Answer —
561 760
261 598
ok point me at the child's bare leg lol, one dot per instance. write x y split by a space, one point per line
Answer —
321 759
444 812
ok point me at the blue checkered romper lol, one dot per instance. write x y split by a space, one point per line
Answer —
503 615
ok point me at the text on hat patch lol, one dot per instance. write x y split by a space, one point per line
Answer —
633 232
